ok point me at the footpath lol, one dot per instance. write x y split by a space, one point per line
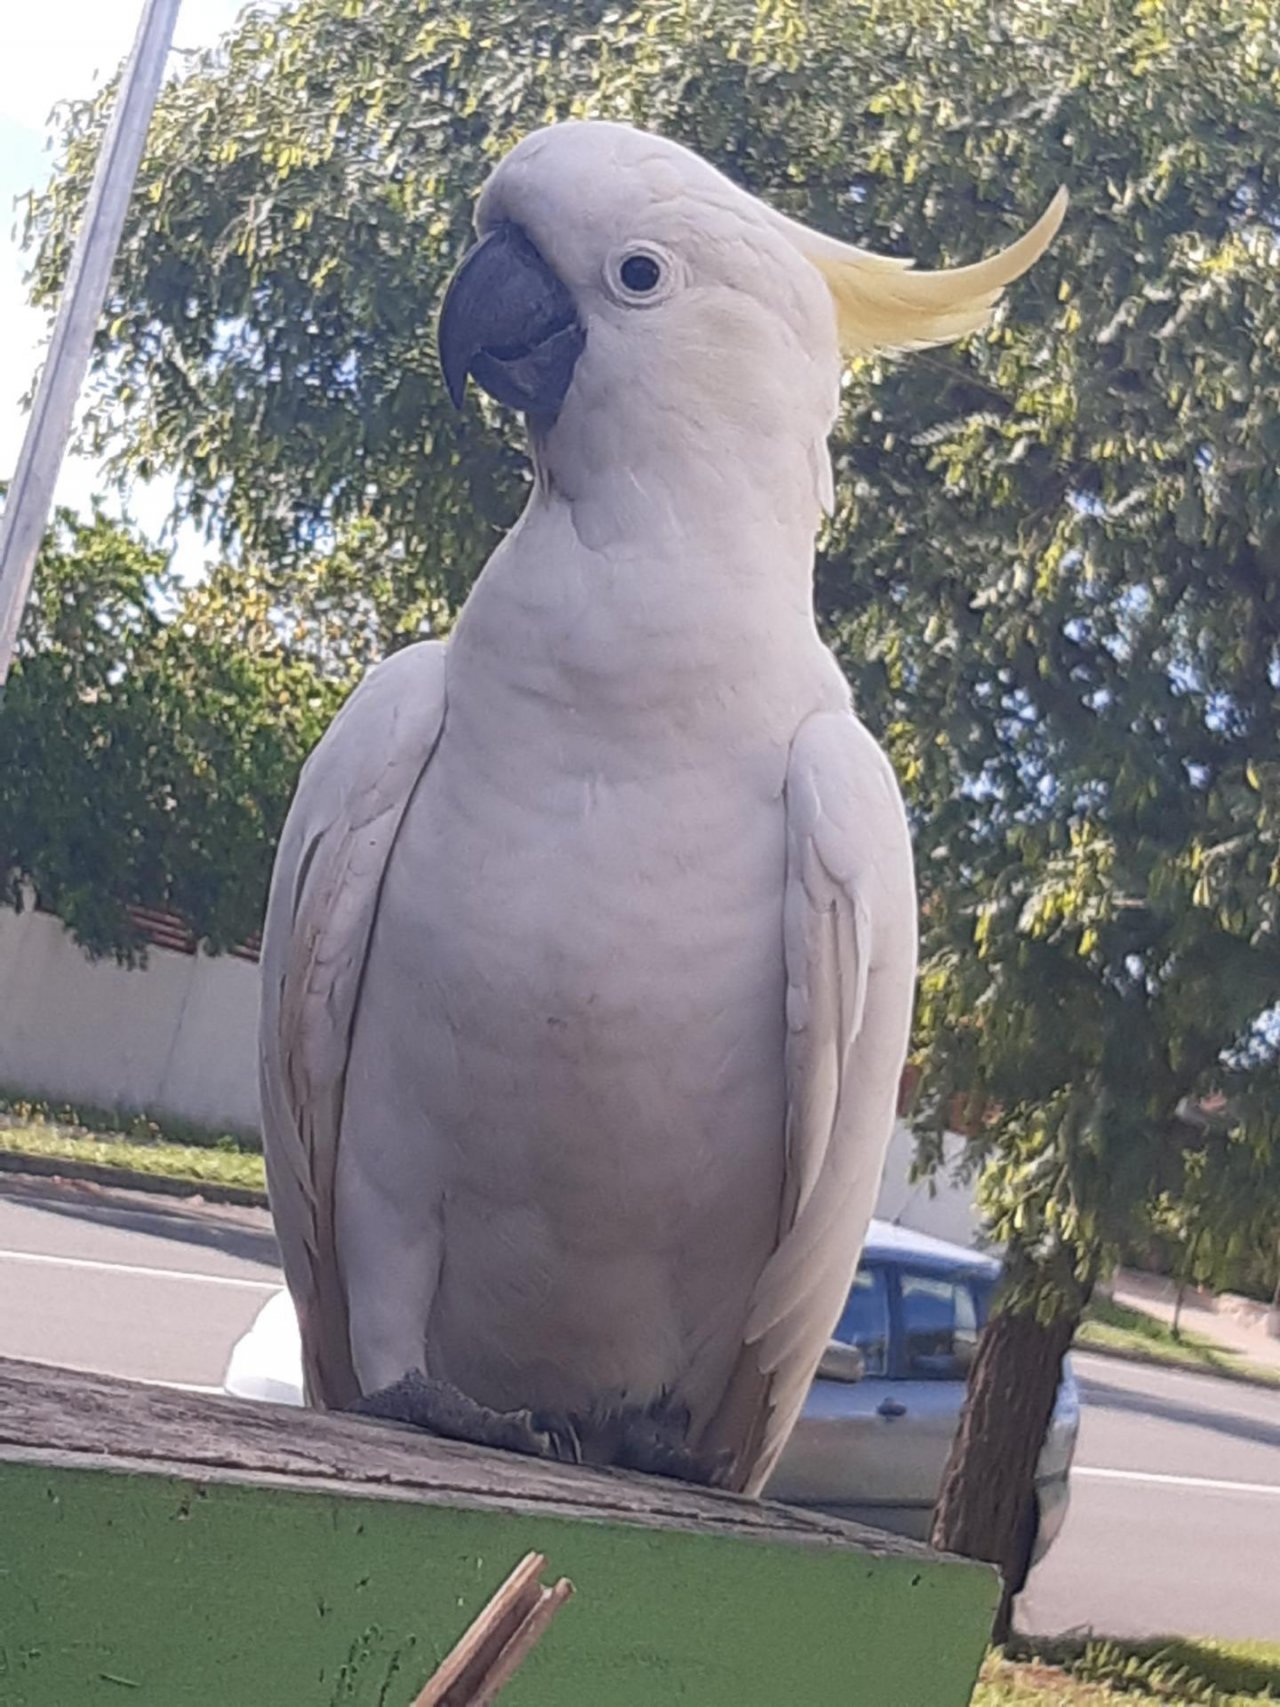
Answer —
1238 1325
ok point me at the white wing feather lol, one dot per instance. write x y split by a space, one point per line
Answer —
849 930
328 875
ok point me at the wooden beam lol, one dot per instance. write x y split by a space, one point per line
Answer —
100 1420
177 1550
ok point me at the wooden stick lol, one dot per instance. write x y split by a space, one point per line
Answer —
497 1643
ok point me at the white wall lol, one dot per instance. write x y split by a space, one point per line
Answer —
178 1038
942 1206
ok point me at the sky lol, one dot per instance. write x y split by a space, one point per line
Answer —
57 50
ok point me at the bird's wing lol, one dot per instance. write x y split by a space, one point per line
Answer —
324 899
849 930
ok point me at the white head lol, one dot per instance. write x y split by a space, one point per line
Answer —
633 301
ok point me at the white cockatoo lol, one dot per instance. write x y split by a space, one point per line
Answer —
589 959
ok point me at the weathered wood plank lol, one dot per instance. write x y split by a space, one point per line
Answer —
174 1550
46 1411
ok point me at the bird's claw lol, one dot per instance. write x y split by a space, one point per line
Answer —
653 1440
442 1409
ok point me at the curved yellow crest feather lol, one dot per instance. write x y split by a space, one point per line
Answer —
883 304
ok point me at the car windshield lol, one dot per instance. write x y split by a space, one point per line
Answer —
865 1322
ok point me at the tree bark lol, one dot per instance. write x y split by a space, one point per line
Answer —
1184 1280
986 1509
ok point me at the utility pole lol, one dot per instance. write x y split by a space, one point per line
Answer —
30 495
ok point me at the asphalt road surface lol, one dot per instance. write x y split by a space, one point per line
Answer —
1174 1524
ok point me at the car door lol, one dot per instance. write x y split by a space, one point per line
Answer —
936 1320
875 1450
831 1458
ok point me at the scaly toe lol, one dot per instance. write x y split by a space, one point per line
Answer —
442 1409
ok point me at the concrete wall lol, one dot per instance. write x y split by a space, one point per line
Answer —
942 1206
176 1039
180 1039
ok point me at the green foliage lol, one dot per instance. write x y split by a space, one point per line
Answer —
21 1109
152 738
186 1165
1213 1219
1185 1673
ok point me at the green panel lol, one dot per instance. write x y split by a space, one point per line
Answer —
145 1591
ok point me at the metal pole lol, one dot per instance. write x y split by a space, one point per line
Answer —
30 496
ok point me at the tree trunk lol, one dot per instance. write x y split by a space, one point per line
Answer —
1184 1280
986 1509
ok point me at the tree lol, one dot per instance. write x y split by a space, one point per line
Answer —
1217 1222
1054 570
151 739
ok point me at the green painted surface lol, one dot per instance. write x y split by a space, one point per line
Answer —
145 1591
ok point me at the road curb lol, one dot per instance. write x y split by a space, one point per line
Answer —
130 1179
1149 1361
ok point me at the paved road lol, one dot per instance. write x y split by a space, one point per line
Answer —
121 1284
1174 1522
1175 1514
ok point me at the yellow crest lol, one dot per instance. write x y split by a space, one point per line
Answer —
883 304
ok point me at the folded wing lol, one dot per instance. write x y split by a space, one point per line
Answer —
328 875
850 946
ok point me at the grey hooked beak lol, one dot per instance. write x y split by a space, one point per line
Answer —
509 322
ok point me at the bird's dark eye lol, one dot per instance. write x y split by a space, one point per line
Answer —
640 274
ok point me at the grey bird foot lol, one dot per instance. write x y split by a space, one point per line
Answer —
656 1441
442 1409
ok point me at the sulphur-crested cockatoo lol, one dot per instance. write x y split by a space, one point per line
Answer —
588 964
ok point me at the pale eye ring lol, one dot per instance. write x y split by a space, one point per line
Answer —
640 274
